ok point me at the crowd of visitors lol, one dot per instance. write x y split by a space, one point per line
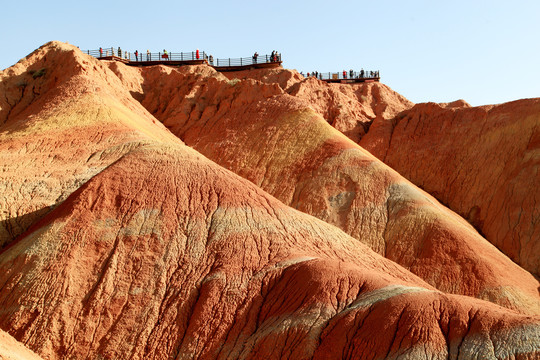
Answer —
165 55
351 74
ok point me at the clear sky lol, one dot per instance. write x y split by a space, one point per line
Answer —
484 52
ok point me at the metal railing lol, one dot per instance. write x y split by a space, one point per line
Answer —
147 56
183 56
344 75
260 59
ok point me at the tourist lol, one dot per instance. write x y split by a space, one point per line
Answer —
255 57
197 54
119 52
344 74
351 73
211 58
100 52
148 56
136 55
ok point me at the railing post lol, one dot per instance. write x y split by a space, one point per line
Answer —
229 61
240 61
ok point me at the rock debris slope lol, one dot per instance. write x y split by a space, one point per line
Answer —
482 162
279 143
157 252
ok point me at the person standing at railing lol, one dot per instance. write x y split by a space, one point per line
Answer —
344 74
165 55
136 55
211 59
119 52
100 52
255 57
362 73
351 74
148 56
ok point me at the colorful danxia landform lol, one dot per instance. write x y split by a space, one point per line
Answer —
164 212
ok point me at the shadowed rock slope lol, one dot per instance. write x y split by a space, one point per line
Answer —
482 162
280 144
161 253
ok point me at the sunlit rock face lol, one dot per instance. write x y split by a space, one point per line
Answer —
158 213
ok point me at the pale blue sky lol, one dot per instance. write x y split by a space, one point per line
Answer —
484 52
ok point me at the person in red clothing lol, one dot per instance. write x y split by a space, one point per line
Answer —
197 54
136 55
100 52
344 74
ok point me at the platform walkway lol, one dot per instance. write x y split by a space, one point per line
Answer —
222 65
186 58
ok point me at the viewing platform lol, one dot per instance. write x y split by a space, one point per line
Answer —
187 58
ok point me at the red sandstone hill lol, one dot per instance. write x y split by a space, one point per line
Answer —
143 248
